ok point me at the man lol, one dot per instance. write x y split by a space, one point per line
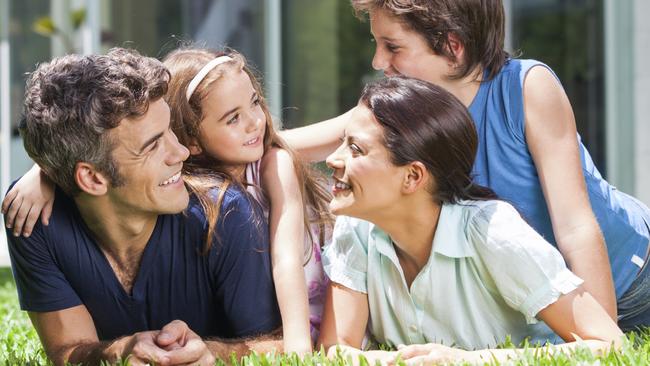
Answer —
119 271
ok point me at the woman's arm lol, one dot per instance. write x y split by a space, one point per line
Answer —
345 317
551 136
287 233
344 326
576 317
315 142
32 196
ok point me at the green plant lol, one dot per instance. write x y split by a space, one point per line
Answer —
46 27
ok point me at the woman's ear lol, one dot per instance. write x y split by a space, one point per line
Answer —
417 177
90 180
194 147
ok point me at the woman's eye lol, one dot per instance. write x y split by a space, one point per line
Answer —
355 148
234 119
256 101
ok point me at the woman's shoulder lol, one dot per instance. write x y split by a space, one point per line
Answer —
346 227
487 215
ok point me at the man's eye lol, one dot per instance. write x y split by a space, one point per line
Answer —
392 48
155 145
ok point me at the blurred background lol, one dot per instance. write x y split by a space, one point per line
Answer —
314 58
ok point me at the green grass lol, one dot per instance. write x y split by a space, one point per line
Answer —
19 344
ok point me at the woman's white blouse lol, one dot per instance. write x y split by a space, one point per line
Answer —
487 277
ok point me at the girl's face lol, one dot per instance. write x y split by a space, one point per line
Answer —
401 51
365 180
234 123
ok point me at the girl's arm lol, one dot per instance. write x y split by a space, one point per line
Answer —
315 142
551 136
31 196
577 317
286 228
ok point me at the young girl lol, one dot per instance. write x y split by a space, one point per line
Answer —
218 112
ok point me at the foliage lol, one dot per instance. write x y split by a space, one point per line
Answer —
19 345
46 27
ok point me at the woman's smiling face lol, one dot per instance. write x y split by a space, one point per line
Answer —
365 179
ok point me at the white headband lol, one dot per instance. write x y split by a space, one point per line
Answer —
203 72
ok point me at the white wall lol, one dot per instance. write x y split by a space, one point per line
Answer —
642 100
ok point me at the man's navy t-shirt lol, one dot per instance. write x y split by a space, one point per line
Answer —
227 292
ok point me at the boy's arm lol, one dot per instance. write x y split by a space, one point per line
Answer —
315 142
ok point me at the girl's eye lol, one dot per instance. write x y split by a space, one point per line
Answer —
256 101
234 119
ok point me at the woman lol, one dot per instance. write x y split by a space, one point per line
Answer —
528 151
439 259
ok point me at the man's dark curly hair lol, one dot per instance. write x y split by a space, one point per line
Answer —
72 102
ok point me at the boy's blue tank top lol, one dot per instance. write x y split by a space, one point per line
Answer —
504 164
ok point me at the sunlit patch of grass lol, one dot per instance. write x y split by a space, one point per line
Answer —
19 345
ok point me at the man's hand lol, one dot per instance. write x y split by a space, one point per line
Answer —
183 346
174 344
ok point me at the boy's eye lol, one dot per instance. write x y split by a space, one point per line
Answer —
392 47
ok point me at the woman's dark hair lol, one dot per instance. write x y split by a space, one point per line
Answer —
423 122
479 26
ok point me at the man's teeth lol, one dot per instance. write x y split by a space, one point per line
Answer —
341 185
171 180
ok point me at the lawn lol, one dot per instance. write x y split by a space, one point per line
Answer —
19 344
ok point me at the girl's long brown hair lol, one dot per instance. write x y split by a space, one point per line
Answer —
203 172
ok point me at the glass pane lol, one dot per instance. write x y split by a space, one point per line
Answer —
568 36
326 59
155 27
27 48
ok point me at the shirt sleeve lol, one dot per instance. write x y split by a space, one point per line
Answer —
529 272
242 268
41 284
345 259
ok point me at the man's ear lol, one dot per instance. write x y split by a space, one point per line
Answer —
416 177
194 147
90 180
